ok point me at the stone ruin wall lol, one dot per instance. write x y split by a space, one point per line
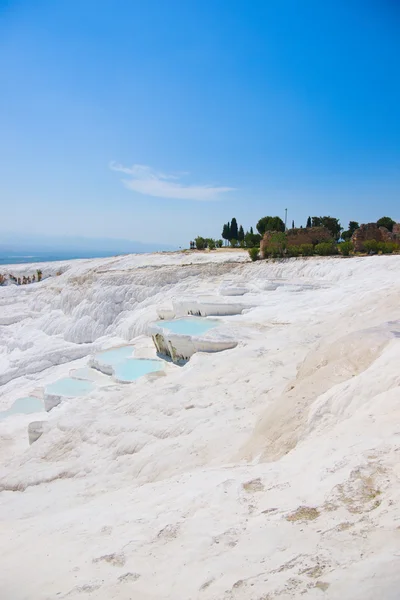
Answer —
371 231
298 237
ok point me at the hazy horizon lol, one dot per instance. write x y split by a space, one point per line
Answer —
18 243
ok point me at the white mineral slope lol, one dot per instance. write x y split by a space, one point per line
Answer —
268 471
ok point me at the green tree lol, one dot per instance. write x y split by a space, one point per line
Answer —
292 224
251 231
316 222
241 234
386 222
248 239
346 235
332 224
226 232
234 229
308 222
353 225
270 224
252 239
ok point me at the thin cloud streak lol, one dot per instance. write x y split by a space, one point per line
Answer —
147 181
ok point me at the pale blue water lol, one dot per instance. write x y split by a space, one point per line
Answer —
115 356
15 258
25 406
189 325
70 387
85 373
133 368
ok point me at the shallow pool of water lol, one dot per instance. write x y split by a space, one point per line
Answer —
89 374
25 406
188 326
70 387
115 356
133 368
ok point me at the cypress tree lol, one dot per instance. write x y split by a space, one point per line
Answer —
234 229
241 234
226 232
308 222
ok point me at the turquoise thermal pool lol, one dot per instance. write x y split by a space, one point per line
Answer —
115 356
133 368
188 326
70 387
27 406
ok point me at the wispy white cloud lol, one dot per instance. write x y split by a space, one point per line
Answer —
147 181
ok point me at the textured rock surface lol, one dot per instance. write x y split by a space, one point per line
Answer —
180 348
36 429
270 471
297 237
370 231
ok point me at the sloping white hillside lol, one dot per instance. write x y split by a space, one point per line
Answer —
268 471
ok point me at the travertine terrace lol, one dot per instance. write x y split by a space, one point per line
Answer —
270 470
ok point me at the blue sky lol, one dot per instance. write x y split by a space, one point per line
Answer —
162 119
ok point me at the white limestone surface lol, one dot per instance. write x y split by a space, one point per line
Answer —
181 347
268 471
206 306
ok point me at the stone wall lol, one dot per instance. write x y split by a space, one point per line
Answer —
371 231
396 230
298 237
309 235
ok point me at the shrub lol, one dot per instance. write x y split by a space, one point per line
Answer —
211 244
253 253
249 240
370 246
388 247
325 249
293 251
276 245
345 248
307 249
219 243
200 242
252 239
234 243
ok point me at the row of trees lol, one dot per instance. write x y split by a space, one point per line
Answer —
201 243
337 231
231 231
235 235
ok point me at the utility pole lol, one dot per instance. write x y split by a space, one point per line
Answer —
285 217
